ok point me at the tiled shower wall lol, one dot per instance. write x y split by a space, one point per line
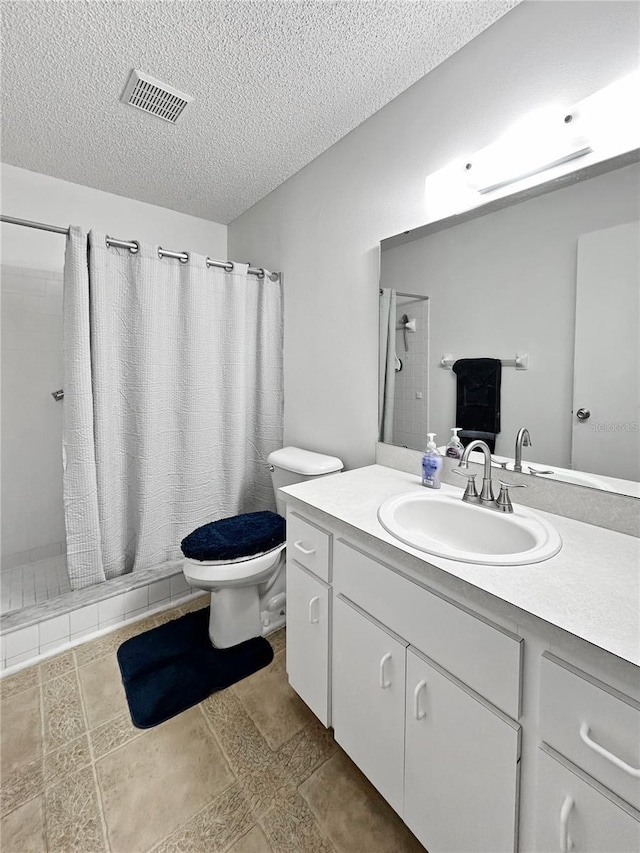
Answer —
411 398
32 517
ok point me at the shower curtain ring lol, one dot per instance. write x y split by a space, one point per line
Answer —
262 273
229 267
185 259
135 247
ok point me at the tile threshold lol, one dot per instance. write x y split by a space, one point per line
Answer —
77 598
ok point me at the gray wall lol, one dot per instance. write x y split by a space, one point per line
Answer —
518 269
322 226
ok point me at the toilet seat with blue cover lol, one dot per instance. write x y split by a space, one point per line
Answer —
235 539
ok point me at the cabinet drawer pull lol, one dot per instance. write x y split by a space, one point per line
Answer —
302 549
565 841
418 713
383 681
584 734
314 619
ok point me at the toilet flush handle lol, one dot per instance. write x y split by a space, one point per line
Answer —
302 549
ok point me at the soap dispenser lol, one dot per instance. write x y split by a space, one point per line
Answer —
455 448
431 464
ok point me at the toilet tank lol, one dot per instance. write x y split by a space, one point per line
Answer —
291 465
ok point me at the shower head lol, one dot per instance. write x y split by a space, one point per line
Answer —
407 325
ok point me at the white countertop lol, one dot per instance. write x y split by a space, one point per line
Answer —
591 588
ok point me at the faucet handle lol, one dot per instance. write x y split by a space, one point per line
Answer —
497 464
503 502
465 471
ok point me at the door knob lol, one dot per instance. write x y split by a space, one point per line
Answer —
583 414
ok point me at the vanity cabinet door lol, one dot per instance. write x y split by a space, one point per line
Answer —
308 602
461 766
572 814
368 698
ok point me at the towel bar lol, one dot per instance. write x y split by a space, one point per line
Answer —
520 362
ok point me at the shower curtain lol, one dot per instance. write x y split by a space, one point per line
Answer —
173 401
386 363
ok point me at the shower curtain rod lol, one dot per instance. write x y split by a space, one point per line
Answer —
133 246
411 296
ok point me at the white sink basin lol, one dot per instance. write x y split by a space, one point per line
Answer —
445 526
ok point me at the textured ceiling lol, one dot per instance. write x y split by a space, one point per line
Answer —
274 85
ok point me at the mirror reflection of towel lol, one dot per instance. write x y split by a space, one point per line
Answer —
478 398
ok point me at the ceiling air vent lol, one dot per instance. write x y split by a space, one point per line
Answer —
151 95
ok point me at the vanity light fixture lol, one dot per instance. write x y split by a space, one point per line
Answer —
611 118
603 124
540 147
537 142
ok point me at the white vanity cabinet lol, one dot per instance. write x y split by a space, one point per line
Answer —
572 814
461 765
368 698
478 652
309 614
443 757
309 546
430 697
592 725
308 611
589 768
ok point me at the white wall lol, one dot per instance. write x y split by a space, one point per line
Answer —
29 195
323 225
519 267
31 456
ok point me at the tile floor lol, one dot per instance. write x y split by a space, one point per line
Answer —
249 770
33 583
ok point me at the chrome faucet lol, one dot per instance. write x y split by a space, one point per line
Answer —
486 494
485 498
523 439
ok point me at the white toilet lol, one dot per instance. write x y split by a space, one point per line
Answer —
248 594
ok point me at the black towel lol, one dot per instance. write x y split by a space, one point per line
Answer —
478 398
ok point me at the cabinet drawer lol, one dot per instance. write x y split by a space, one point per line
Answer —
572 814
308 545
596 728
480 654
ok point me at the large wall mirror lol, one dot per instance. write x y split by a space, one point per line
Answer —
550 285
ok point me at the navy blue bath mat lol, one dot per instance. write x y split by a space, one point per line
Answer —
174 666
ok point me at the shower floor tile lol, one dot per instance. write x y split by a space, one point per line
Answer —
33 583
230 775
